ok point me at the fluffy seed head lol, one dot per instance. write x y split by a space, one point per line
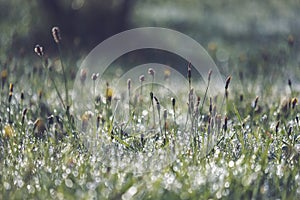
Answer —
142 78
95 76
56 34
39 50
151 71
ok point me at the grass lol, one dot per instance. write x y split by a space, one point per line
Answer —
45 149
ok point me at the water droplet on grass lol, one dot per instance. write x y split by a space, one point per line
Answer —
69 183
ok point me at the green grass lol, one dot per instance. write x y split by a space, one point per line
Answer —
255 154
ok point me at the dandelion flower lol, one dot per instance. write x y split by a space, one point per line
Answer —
8 131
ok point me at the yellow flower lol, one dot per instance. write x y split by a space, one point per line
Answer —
109 93
85 120
294 102
4 74
212 47
167 74
8 131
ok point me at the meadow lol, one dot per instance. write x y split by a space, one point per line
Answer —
144 143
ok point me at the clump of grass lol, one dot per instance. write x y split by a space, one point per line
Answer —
253 157
39 50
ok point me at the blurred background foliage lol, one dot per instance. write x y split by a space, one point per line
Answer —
265 30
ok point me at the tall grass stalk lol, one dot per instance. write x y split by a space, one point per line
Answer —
57 39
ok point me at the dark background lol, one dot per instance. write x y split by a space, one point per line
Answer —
235 31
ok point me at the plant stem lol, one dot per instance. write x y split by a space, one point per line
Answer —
64 74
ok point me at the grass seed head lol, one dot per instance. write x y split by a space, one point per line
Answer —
189 72
198 101
277 126
291 40
24 112
151 71
294 102
151 96
290 82
39 50
10 97
209 75
22 96
241 97
290 131
23 115
40 94
210 105
129 84
94 76
56 34
99 117
225 123
157 103
142 78
173 102
255 102
165 114
11 87
227 82
83 76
